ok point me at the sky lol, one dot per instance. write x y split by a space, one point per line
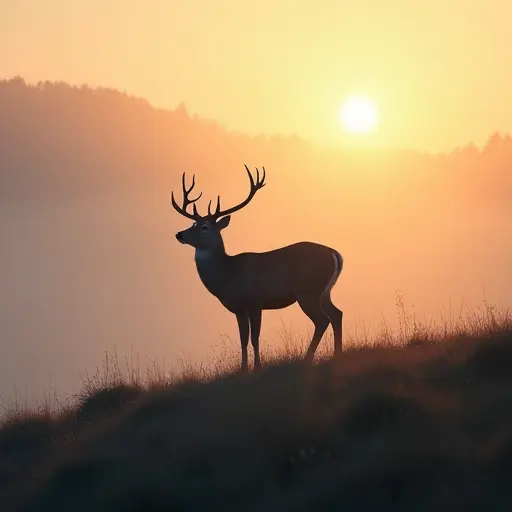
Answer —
438 70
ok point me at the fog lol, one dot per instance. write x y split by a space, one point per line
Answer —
89 262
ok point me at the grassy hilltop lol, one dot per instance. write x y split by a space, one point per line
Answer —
421 425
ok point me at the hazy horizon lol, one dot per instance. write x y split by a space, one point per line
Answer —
351 148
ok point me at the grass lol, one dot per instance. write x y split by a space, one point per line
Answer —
419 419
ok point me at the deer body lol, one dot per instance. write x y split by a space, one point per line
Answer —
267 280
248 283
229 280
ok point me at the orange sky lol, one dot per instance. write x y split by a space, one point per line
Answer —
439 70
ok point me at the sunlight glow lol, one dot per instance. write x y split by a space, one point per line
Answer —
358 115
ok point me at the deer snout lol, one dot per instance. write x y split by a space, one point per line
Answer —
180 237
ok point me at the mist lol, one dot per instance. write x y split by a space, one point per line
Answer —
89 262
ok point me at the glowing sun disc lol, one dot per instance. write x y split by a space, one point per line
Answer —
358 115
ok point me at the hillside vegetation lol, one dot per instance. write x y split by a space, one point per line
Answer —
425 424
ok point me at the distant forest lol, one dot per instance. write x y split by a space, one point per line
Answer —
78 133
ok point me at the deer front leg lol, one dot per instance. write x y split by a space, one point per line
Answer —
255 320
243 327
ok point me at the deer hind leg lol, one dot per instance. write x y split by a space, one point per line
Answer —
255 321
312 308
336 318
243 327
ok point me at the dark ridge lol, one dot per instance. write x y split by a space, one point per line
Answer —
412 428
106 401
491 360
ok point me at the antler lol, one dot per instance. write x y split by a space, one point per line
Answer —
186 201
255 186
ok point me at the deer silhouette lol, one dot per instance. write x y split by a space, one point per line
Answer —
248 283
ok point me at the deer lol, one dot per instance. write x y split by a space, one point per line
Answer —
250 282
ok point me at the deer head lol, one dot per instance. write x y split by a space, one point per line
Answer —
205 234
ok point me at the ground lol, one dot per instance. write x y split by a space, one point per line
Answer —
425 425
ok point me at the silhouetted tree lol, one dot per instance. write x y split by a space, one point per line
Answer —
493 145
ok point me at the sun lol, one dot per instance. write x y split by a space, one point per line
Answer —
358 115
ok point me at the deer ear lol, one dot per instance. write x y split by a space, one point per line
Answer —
224 222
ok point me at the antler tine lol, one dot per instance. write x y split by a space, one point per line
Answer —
250 176
217 208
255 186
186 200
187 192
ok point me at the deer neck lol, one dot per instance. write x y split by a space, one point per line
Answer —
212 267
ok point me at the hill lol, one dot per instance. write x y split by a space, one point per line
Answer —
422 426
